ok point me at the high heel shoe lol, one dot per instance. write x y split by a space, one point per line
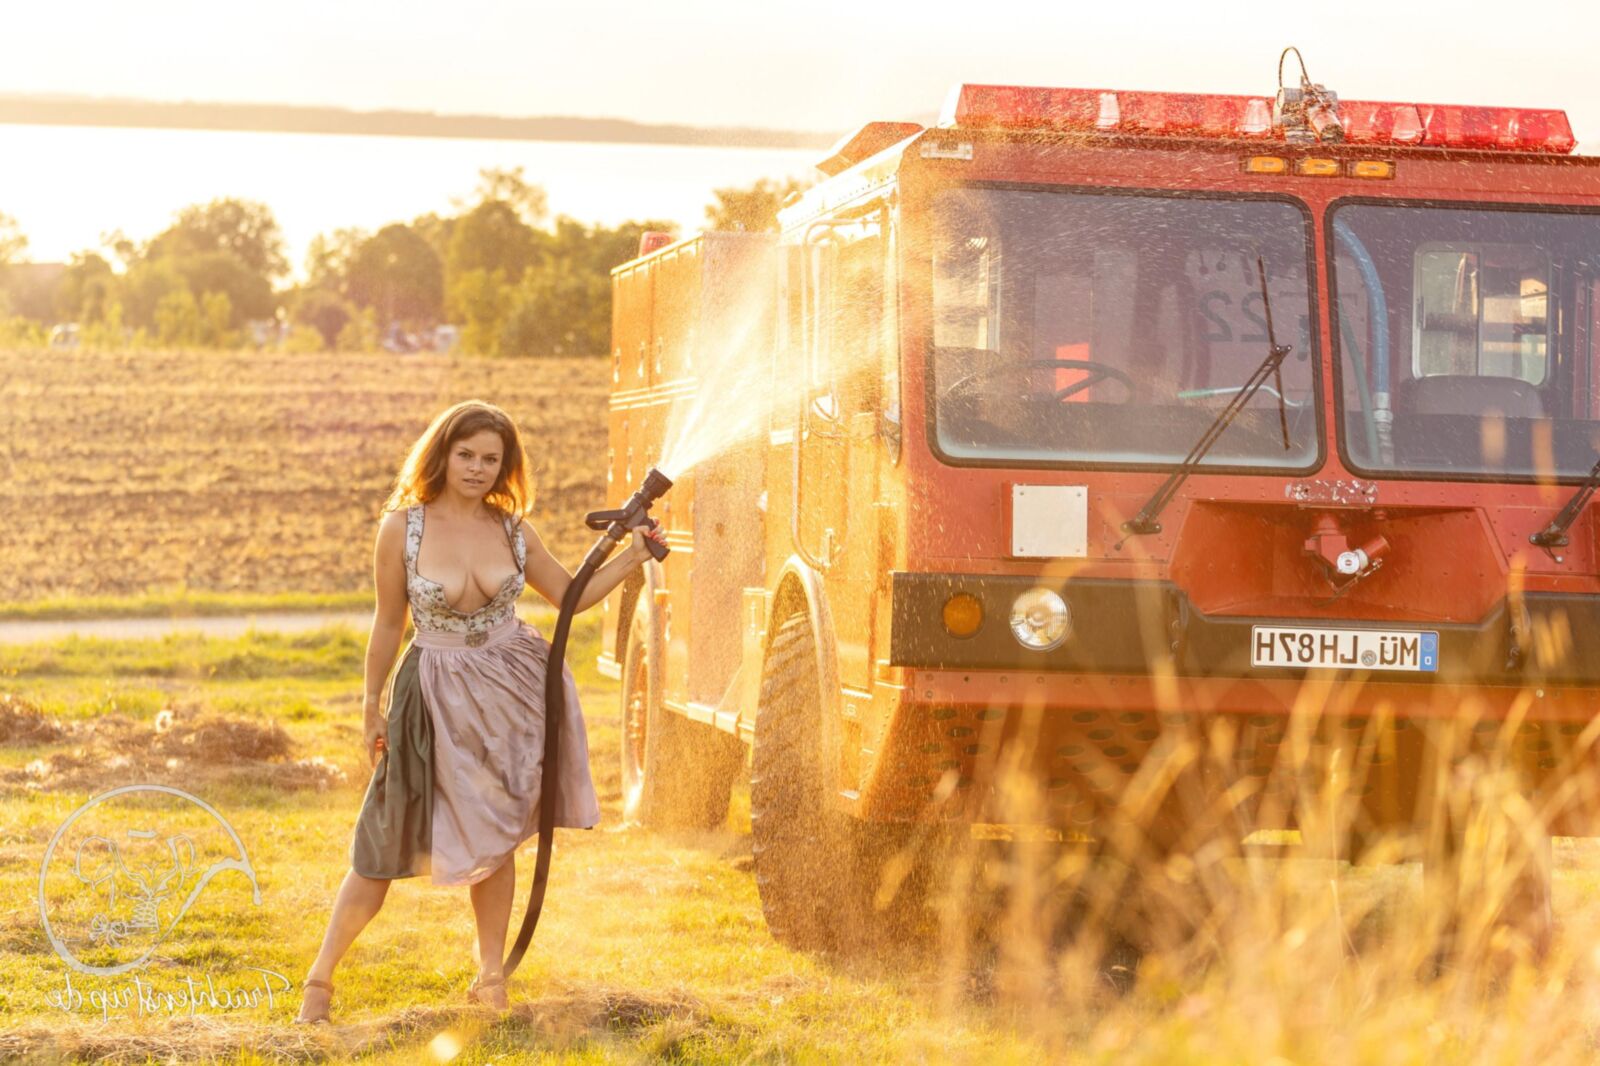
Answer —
490 992
320 1014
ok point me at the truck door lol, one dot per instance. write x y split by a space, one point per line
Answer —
834 520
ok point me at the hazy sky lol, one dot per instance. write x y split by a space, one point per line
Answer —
826 65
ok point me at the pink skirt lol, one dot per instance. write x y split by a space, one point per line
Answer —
485 710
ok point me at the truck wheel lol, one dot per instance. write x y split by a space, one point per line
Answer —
809 894
676 774
818 870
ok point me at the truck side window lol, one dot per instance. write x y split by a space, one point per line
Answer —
821 281
856 318
966 295
789 355
844 318
1482 311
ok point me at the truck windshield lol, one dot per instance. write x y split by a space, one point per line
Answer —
1104 329
1465 339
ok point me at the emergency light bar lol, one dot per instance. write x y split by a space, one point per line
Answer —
1251 117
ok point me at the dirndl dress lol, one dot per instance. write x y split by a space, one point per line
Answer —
457 790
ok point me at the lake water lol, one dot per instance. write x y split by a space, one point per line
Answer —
67 186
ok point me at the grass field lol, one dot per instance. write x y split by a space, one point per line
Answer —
256 477
200 483
653 947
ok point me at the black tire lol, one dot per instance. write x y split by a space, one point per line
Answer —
818 870
676 774
799 842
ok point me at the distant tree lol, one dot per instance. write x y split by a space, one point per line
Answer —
249 294
108 332
243 227
437 231
360 334
558 312
597 249
12 241
177 319
753 208
508 185
87 286
120 245
12 245
328 258
326 312
144 286
304 340
479 300
564 306
397 273
216 320
492 237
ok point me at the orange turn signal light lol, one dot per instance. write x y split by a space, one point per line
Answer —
963 614
1266 164
1314 167
1371 168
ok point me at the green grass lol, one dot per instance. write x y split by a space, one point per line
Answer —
180 602
323 654
652 946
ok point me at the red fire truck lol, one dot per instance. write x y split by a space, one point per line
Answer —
1089 419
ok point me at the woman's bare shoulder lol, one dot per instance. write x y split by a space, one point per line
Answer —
530 533
390 523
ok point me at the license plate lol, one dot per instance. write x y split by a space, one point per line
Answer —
1347 649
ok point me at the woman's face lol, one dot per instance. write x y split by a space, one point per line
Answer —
475 463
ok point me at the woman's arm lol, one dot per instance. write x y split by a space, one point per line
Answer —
550 579
388 619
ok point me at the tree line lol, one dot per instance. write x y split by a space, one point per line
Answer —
513 280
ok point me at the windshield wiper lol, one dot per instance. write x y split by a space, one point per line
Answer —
1225 390
1272 366
1554 535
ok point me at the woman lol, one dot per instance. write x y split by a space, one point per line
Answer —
458 751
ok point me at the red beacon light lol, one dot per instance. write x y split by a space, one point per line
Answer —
1012 107
1107 111
1369 122
1516 129
654 240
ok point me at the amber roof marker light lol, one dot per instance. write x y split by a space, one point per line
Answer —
1371 168
1266 164
1316 167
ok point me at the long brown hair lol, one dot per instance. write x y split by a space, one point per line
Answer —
422 478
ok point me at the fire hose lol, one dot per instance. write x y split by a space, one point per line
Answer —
616 525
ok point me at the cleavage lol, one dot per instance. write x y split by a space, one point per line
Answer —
471 579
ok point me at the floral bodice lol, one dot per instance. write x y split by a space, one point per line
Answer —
429 608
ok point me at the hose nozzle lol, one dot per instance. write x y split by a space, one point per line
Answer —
635 513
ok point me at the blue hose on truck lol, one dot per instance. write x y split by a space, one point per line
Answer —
1379 416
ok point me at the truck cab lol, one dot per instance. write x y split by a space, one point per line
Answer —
1098 428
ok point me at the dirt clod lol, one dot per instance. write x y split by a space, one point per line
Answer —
177 747
23 723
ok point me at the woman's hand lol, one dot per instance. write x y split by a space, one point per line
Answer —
374 736
655 532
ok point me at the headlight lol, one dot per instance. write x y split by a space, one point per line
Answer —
1040 619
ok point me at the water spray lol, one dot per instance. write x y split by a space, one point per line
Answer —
615 526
